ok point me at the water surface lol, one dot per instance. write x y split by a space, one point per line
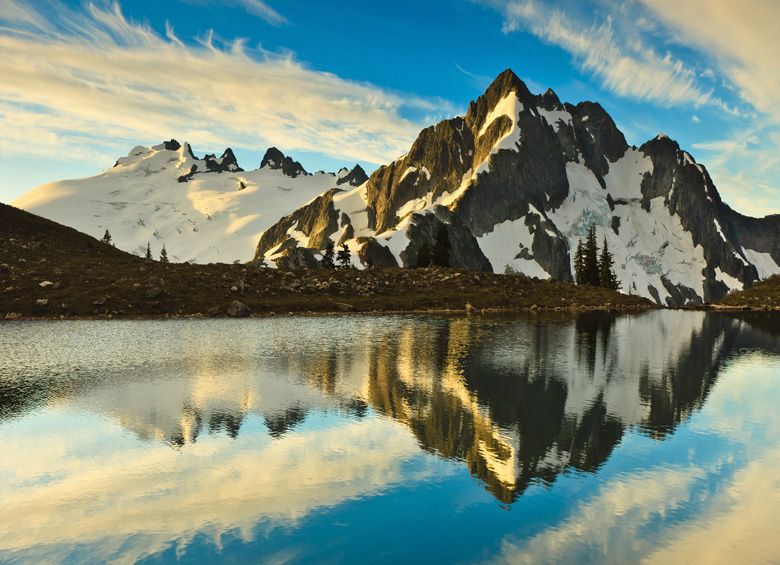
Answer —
392 439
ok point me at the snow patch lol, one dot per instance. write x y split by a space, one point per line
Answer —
763 262
502 245
728 280
555 117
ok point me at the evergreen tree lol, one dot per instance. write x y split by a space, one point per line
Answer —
327 257
607 276
344 257
148 252
163 255
106 238
424 256
440 255
590 264
579 263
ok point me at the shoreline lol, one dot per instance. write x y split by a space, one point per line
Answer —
459 312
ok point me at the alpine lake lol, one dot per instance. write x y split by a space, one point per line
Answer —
540 438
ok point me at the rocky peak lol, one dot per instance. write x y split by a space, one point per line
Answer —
275 159
172 145
597 136
355 177
226 163
504 84
549 100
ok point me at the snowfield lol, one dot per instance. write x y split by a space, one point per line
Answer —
214 217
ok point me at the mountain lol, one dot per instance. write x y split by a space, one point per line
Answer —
48 270
203 209
518 180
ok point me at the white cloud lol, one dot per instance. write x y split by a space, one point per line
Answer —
98 83
742 38
260 8
627 67
255 7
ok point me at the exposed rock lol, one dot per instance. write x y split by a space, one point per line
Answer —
238 309
226 163
375 255
42 302
275 159
355 177
187 176
172 145
45 284
293 258
318 220
465 252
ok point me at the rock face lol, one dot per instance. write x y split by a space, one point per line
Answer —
355 177
226 163
276 160
517 182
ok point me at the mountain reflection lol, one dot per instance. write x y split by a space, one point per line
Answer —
516 400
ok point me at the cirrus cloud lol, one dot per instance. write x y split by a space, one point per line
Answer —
96 81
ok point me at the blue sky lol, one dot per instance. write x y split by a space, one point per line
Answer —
333 83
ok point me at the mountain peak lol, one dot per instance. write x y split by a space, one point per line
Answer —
275 160
226 163
549 100
504 84
507 82
355 177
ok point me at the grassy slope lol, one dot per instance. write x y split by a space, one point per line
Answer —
94 279
764 295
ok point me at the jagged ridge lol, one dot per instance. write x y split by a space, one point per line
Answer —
520 177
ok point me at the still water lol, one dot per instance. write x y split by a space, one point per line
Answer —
393 439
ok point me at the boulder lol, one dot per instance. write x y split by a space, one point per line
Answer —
238 309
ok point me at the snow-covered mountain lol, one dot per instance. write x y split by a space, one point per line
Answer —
516 183
203 210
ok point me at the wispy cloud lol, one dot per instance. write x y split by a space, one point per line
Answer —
260 8
480 82
626 67
255 7
96 81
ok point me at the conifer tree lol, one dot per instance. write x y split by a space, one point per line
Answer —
327 257
164 255
424 256
106 238
590 269
148 252
344 257
579 263
440 255
607 276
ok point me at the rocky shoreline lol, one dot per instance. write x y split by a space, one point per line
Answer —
155 290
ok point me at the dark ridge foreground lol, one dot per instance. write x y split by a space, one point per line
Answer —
764 295
49 271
